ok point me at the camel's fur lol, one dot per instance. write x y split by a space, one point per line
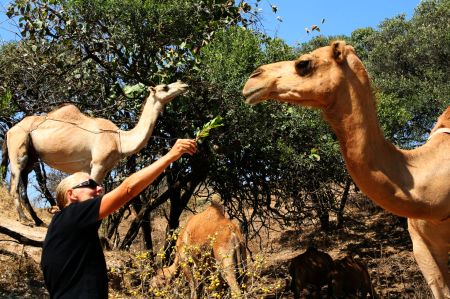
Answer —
70 141
208 229
413 184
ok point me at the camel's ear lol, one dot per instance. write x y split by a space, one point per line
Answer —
338 51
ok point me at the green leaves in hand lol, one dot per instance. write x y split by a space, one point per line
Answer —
204 131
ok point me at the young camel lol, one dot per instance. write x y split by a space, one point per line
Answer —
412 184
70 141
209 228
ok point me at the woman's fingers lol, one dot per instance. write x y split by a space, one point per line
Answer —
185 146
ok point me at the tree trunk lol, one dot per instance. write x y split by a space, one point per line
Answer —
136 223
340 215
178 202
20 238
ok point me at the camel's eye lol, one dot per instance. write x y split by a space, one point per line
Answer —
303 67
165 88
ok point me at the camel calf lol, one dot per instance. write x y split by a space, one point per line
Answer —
351 278
310 269
209 229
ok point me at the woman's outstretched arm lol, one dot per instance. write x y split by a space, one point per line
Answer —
138 181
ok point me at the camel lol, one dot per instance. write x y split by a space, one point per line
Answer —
351 279
209 228
310 270
409 183
67 140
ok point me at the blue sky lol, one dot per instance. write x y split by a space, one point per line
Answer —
341 17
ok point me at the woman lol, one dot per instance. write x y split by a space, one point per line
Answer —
72 258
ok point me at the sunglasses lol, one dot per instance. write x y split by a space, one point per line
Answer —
91 184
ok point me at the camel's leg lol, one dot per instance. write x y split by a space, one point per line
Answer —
17 142
26 201
193 285
430 247
15 194
228 265
98 173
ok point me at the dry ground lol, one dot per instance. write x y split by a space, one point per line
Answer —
376 237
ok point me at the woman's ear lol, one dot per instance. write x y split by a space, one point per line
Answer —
70 196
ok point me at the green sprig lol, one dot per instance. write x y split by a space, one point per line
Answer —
204 131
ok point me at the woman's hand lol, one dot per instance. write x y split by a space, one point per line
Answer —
182 146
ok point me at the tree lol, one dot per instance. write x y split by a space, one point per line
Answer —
408 62
88 52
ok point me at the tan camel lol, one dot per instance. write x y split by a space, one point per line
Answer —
208 228
413 184
70 141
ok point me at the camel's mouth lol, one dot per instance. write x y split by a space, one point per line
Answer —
253 96
182 88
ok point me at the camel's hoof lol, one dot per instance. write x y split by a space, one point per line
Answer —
27 223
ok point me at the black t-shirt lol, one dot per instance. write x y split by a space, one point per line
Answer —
72 257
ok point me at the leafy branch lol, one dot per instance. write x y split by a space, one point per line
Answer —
204 131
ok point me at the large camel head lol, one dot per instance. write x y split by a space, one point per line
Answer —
311 80
164 93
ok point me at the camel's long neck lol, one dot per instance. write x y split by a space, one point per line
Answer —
135 139
376 166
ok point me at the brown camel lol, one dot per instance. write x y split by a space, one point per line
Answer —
208 228
70 141
413 184
310 270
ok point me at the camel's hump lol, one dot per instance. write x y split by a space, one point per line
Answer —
71 113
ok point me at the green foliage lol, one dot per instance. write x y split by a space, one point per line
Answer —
317 42
7 106
204 131
392 115
135 91
148 41
2 172
361 41
409 62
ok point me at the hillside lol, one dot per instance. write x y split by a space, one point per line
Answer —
377 238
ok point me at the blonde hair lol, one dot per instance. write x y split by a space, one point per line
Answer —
64 185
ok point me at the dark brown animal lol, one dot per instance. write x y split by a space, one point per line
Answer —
310 269
350 279
205 230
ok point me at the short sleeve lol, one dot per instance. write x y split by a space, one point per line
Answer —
82 214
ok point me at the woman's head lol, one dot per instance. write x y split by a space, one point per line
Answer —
76 187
